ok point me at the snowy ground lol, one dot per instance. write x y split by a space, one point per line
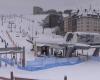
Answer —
88 70
22 28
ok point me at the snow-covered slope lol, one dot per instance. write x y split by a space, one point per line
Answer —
15 29
85 71
19 27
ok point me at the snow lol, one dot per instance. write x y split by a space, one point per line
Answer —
22 26
26 26
81 33
49 39
88 70
84 45
22 30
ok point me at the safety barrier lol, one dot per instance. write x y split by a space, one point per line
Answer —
95 58
8 61
46 63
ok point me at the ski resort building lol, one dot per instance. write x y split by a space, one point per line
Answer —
85 21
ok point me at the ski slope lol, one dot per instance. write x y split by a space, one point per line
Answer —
22 27
16 29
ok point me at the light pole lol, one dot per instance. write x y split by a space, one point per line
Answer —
35 45
32 29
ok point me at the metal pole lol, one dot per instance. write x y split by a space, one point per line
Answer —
23 57
12 76
32 31
65 77
0 60
2 18
35 48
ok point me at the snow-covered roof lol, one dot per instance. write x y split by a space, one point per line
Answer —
65 15
49 39
80 33
85 12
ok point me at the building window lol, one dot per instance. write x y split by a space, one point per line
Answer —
87 29
87 26
81 22
87 22
95 30
99 30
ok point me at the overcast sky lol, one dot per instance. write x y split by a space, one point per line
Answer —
25 6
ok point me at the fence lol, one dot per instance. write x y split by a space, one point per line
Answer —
49 62
12 51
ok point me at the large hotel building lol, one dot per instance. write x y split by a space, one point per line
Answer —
87 21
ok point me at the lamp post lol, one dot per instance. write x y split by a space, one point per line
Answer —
35 45
33 39
32 30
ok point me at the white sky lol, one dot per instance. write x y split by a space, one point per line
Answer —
16 6
25 6
63 4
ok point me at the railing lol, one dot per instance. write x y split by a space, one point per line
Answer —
46 63
13 51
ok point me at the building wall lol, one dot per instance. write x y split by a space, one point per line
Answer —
70 24
83 23
88 24
66 24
